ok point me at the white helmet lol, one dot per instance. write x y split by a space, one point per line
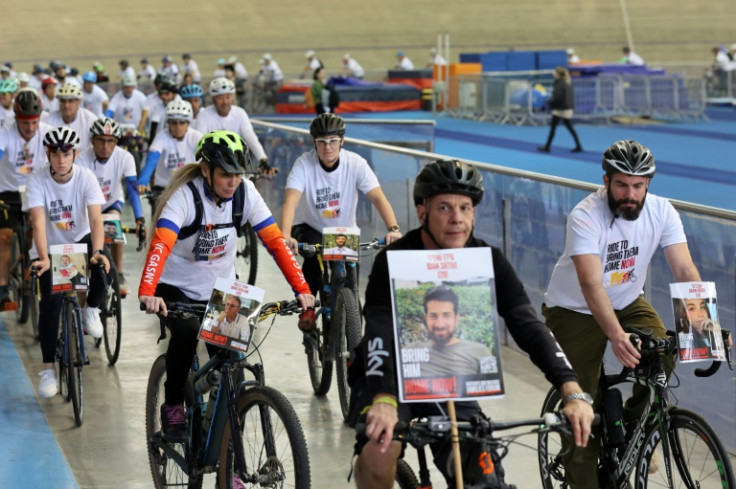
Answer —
221 85
129 81
69 91
179 110
309 53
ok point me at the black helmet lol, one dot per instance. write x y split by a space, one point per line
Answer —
448 177
159 78
327 125
225 149
27 105
629 157
166 85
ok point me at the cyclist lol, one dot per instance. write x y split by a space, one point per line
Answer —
94 98
329 169
8 87
166 92
64 202
193 94
591 297
186 269
222 114
190 67
21 152
111 164
71 114
147 72
128 106
169 69
171 149
446 193
48 94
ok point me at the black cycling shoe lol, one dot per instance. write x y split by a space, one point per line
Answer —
173 423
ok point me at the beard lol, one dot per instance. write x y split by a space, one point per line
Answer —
629 214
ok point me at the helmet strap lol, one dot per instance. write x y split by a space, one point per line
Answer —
210 187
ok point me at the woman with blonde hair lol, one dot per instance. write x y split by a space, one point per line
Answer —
562 104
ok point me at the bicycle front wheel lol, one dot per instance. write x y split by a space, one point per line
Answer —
405 476
274 448
246 260
347 329
112 319
316 345
549 447
74 360
700 460
164 470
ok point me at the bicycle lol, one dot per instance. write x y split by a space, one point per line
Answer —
339 333
269 452
70 351
21 298
672 433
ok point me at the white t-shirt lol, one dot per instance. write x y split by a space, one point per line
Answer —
128 110
405 64
110 174
634 59
236 120
209 254
93 100
147 72
273 71
157 110
128 71
171 71
81 124
20 160
192 68
49 105
354 69
174 153
624 247
240 72
65 204
329 198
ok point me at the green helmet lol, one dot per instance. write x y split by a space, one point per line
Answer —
225 149
8 85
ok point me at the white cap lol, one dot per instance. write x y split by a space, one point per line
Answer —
267 57
346 56
570 51
231 60
309 53
23 78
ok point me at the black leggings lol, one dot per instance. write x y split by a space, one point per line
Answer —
49 309
553 127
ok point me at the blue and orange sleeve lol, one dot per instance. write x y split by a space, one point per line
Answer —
164 239
271 236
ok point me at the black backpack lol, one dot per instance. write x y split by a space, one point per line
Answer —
196 224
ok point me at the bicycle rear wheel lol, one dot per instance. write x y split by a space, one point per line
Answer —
75 360
316 346
274 447
246 261
549 445
405 476
112 319
700 461
164 470
347 328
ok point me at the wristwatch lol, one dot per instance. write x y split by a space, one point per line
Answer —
101 252
579 396
394 229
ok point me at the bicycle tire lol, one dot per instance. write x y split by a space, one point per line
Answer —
75 362
347 329
164 471
405 476
112 319
246 260
17 278
62 356
320 367
549 445
33 308
274 446
700 461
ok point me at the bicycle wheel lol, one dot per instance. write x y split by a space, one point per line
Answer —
18 284
112 319
347 328
405 477
316 346
549 446
164 470
75 361
63 358
275 451
33 308
246 260
700 460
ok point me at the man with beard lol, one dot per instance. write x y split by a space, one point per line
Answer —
448 354
595 293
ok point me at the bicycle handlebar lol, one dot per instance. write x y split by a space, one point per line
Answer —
186 310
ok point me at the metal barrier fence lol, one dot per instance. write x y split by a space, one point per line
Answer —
524 214
521 99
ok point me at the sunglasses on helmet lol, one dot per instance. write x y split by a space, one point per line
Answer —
63 147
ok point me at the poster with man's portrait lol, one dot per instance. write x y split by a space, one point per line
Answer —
68 267
230 315
113 229
340 244
699 336
445 324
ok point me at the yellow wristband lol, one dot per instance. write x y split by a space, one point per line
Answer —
387 400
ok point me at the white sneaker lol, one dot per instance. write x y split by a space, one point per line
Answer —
47 387
91 321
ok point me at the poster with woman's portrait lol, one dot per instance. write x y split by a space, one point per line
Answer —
698 329
445 324
68 267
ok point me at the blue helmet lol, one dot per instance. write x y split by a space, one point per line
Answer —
90 76
191 91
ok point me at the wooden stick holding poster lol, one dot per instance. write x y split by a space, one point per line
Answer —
455 438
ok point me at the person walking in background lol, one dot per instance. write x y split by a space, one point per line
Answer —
562 104
324 93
